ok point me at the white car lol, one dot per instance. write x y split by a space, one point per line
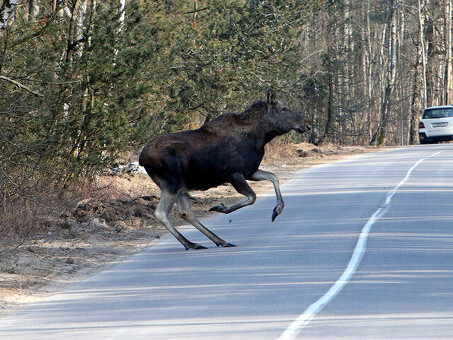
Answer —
436 124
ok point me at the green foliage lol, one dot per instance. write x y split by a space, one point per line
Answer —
107 83
228 53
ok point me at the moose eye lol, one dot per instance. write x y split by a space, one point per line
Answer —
284 109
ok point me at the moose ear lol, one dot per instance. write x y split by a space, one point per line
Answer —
270 96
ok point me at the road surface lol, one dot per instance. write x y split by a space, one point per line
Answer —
362 250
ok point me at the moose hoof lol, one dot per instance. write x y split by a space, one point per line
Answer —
275 213
220 208
195 246
225 245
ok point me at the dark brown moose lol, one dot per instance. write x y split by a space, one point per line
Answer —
227 149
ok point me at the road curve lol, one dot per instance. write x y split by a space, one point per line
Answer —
401 287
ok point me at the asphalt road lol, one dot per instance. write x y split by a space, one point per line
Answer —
362 250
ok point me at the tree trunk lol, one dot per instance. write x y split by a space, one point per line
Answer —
71 31
380 136
369 74
414 111
330 33
448 56
32 10
423 51
430 61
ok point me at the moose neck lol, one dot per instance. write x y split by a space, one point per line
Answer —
262 134
254 123
271 134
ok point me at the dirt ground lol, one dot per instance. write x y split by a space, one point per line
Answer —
107 228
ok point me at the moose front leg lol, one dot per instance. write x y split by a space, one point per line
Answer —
240 184
261 175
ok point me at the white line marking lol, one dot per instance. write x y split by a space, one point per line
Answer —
304 319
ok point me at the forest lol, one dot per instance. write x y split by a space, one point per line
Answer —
85 82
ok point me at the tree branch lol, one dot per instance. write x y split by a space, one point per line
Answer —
22 86
37 33
197 10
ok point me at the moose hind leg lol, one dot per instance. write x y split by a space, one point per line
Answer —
166 202
261 175
187 214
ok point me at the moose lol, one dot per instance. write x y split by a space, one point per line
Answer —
227 149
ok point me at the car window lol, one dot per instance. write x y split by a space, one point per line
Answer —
438 113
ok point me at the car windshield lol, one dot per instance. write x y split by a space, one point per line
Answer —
438 113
